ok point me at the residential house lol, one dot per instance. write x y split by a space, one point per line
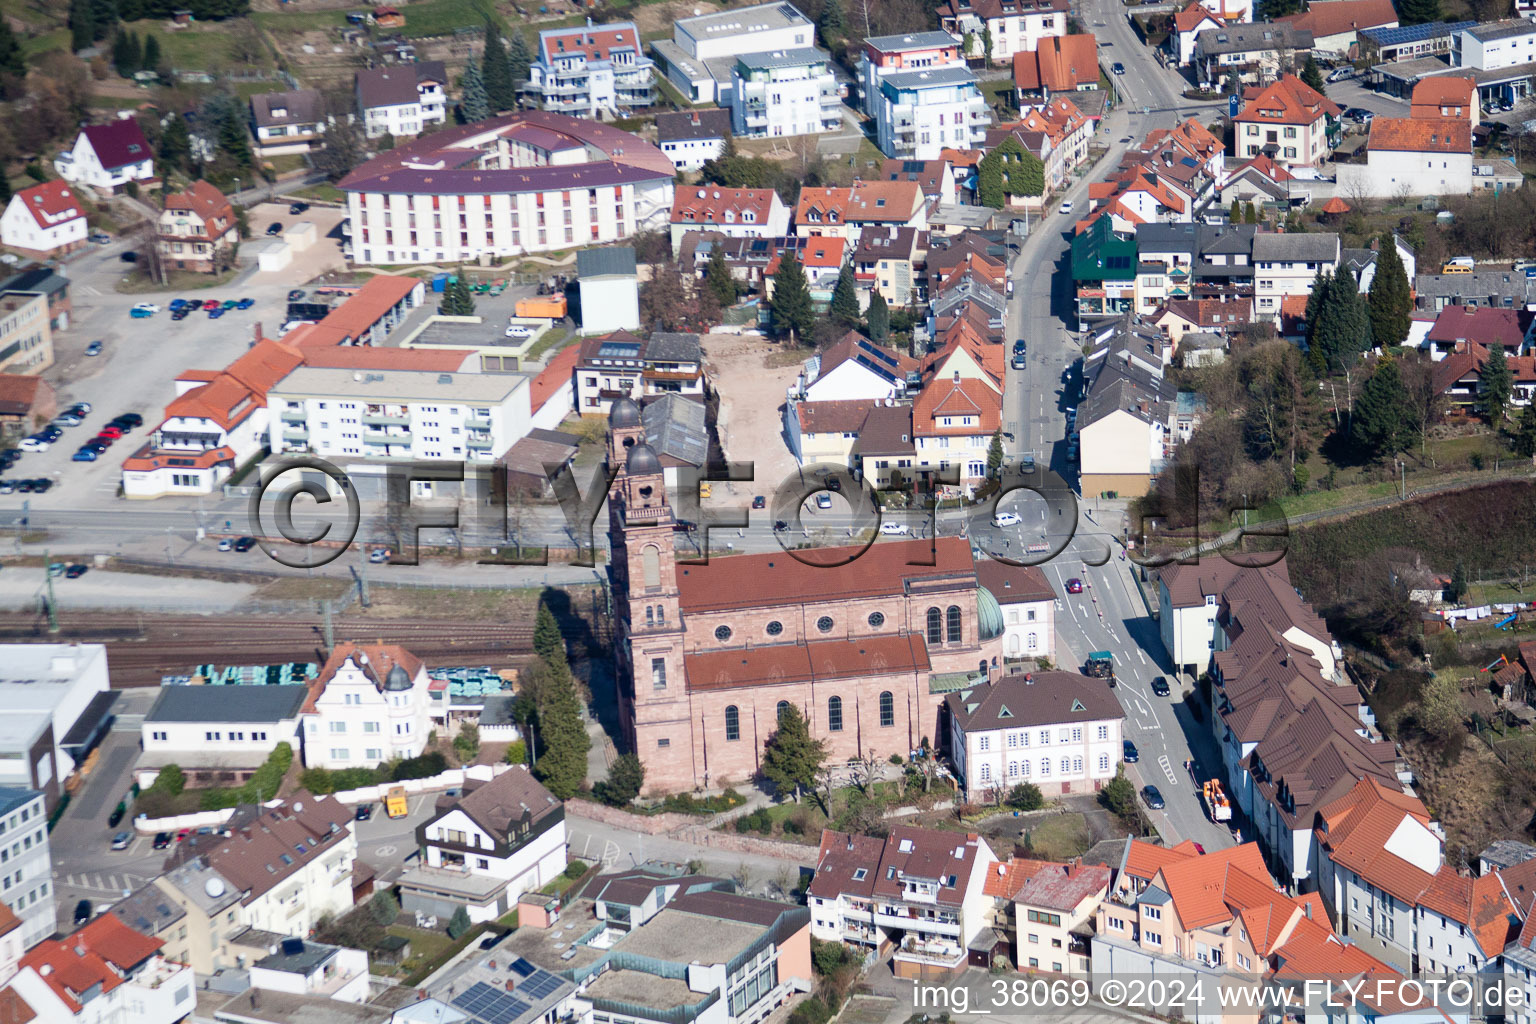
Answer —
401 100
913 86
936 178
368 705
197 230
883 453
1459 379
1052 909
592 71
1286 264
822 260
610 289
1028 603
691 138
217 735
1010 25
953 421
856 369
1193 261
26 402
1103 270
1336 25
700 56
277 870
1260 180
890 265
26 338
1503 288
1177 318
1257 54
821 212
1446 97
288 122
44 221
621 364
53 286
1494 46
919 888
824 432
1065 63
483 850
781 93
102 973
1288 120
307 968
1187 26
885 206
1122 425
1058 730
1457 327
734 212
107 157
1411 156
1361 263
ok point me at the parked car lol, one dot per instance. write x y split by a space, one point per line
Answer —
81 407
117 812
1074 585
82 913
519 331
122 840
93 349
758 501
100 237
69 418
1160 686
85 455
1020 347
214 314
274 229
823 500
1130 755
162 841
225 544
147 305
181 314
111 431
182 833
1119 68
176 304
7 486
40 486
35 443
298 207
1153 797
211 305
1340 74
1019 361
894 529
55 569
75 571
1005 519
378 556
245 303
140 314
363 812
297 295
129 257
131 419
245 543
1066 207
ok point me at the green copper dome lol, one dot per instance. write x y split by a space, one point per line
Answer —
989 615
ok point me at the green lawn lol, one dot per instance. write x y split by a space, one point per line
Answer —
323 191
1060 837
37 46
199 49
299 21
441 17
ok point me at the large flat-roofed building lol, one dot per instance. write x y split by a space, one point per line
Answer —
54 705
784 92
217 735
702 51
529 182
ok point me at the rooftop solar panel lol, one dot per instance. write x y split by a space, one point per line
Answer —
521 967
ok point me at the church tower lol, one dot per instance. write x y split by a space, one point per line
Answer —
648 634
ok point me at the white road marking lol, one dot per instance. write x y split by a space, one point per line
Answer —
1143 657
611 853
385 851
1167 766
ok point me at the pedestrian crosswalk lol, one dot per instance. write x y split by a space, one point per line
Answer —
105 884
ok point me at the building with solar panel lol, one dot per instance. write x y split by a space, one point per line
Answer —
622 365
650 945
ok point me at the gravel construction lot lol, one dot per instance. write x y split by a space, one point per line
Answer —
751 407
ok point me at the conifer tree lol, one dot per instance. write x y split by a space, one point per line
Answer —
1379 425
1390 301
1497 384
474 105
496 71
845 299
791 304
791 758
879 318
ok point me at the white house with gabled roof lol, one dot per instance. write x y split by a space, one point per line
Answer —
370 704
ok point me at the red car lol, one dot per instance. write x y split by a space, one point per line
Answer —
1074 585
212 304
111 432
182 834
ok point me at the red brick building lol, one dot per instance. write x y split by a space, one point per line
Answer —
709 655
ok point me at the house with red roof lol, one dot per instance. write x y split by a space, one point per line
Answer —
1412 156
369 704
734 212
1287 120
197 231
1459 378
1446 97
106 157
1010 25
1337 24
1050 910
923 890
953 421
1187 26
1067 63
44 221
104 972
855 368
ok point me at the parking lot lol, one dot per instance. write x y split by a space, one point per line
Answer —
140 358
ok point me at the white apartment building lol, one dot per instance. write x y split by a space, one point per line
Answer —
703 49
368 705
27 883
1286 264
54 704
1013 26
509 833
104 973
527 182
691 138
108 156
1412 156
1058 730
592 71
401 100
920 888
304 968
784 92
44 220
1028 605
1495 45
381 414
921 113
217 735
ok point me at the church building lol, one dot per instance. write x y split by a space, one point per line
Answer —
709 655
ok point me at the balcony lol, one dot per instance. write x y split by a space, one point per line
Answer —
381 437
481 441
477 423
379 419
300 434
295 416
940 954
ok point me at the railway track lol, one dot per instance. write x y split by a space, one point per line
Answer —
142 649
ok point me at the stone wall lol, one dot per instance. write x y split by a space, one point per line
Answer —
650 824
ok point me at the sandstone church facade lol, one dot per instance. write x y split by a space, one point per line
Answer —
709 655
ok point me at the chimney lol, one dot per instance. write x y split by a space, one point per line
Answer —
257 331
511 984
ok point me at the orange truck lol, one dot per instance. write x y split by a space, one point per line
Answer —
548 308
